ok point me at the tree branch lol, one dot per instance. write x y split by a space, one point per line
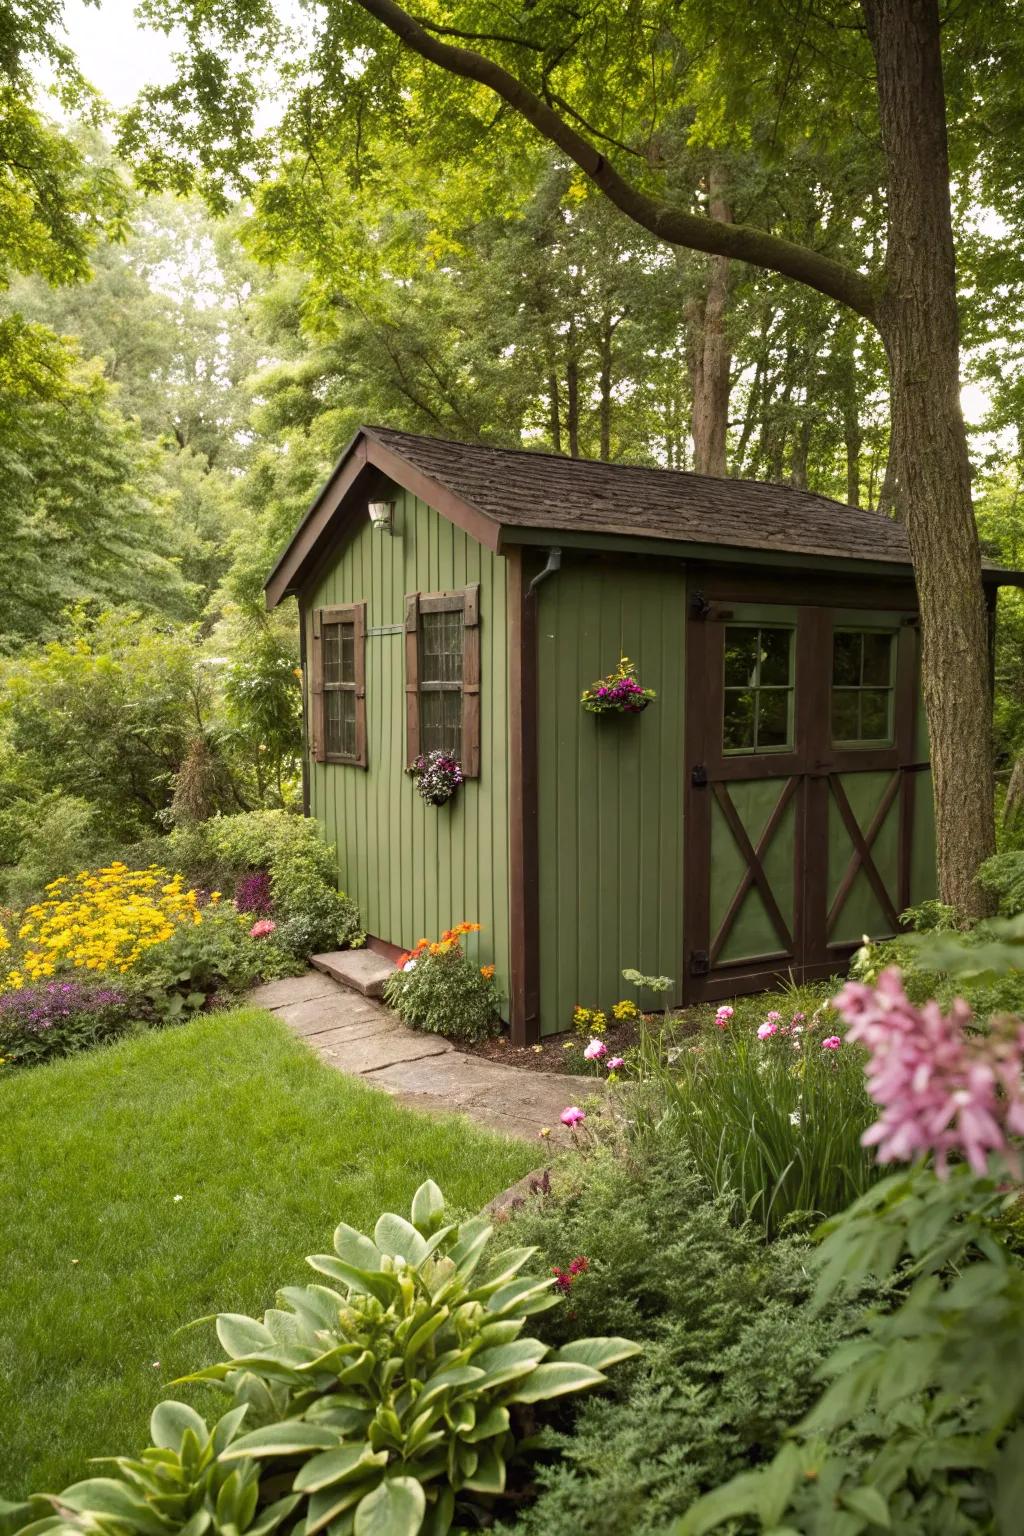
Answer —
739 242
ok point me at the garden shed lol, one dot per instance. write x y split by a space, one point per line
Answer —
771 806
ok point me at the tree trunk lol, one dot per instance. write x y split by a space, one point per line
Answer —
572 395
711 356
919 327
604 385
555 419
801 450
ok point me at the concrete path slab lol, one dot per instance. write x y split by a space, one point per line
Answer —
355 1034
358 968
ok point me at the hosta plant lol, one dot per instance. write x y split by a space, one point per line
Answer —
181 1483
389 1396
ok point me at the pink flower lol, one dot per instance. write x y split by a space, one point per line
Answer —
616 1063
940 1090
595 1050
723 1015
773 1017
799 1018
572 1116
768 1028
263 929
832 1043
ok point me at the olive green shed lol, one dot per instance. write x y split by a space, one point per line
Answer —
770 806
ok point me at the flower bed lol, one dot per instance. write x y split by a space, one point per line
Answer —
437 987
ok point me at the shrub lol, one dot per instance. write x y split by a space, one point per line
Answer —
388 1405
436 987
730 1342
199 961
56 1018
771 1115
53 834
1003 875
252 893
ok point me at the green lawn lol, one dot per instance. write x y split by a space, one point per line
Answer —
268 1150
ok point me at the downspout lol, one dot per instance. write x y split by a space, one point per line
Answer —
554 564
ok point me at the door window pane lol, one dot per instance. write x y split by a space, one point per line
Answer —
862 686
758 679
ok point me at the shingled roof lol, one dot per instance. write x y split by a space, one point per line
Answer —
491 491
522 489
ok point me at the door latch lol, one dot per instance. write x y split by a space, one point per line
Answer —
700 962
699 776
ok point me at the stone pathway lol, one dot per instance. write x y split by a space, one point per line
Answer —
358 1035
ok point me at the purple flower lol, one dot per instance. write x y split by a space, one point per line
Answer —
252 893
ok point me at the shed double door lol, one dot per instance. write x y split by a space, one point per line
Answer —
801 776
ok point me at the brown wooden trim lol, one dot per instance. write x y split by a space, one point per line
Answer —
862 845
306 712
524 887
754 872
317 690
839 590
313 526
814 734
484 529
471 682
359 653
412 677
696 807
383 947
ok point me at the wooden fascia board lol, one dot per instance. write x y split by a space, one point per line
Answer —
283 578
485 530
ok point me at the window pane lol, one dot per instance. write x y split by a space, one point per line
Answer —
845 721
740 657
776 646
332 653
441 647
441 721
738 726
340 723
772 717
846 651
348 653
874 714
877 661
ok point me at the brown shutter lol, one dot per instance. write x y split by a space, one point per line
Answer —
471 682
359 648
412 678
318 745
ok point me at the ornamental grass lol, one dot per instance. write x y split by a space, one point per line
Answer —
100 921
771 1113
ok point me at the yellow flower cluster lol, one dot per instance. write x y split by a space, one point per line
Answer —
102 920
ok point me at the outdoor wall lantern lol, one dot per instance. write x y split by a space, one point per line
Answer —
382 516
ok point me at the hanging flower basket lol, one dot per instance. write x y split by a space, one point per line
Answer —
620 693
438 775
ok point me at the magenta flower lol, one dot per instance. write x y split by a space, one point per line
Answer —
616 1063
768 1028
263 929
940 1090
595 1050
723 1015
773 1018
832 1043
572 1116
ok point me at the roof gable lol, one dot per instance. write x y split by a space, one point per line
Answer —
488 491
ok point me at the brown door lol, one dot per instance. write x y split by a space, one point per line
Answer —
801 770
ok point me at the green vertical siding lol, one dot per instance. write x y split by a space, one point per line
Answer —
416 869
610 789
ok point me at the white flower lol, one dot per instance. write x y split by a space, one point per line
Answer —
179 1197
794 1118
410 965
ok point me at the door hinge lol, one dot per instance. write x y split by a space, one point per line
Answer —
700 962
699 776
699 606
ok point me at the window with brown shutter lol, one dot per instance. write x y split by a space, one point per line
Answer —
339 684
442 675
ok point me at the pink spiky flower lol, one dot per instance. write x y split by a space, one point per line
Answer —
572 1116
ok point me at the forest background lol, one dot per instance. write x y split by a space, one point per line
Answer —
178 374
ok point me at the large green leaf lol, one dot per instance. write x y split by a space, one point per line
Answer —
318 1305
355 1248
324 1508
598 1353
363 1281
341 1465
509 1361
243 1335
489 1476
396 1508
448 1381
105 1496
523 1296
271 1517
427 1208
168 1423
555 1380
473 1239
399 1238
290 1438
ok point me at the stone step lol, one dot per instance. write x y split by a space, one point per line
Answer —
359 969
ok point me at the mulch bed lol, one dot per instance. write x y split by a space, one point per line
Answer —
564 1053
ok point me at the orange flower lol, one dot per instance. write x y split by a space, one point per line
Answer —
487 971
402 959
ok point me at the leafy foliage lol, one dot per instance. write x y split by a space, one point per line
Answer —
57 1018
437 987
